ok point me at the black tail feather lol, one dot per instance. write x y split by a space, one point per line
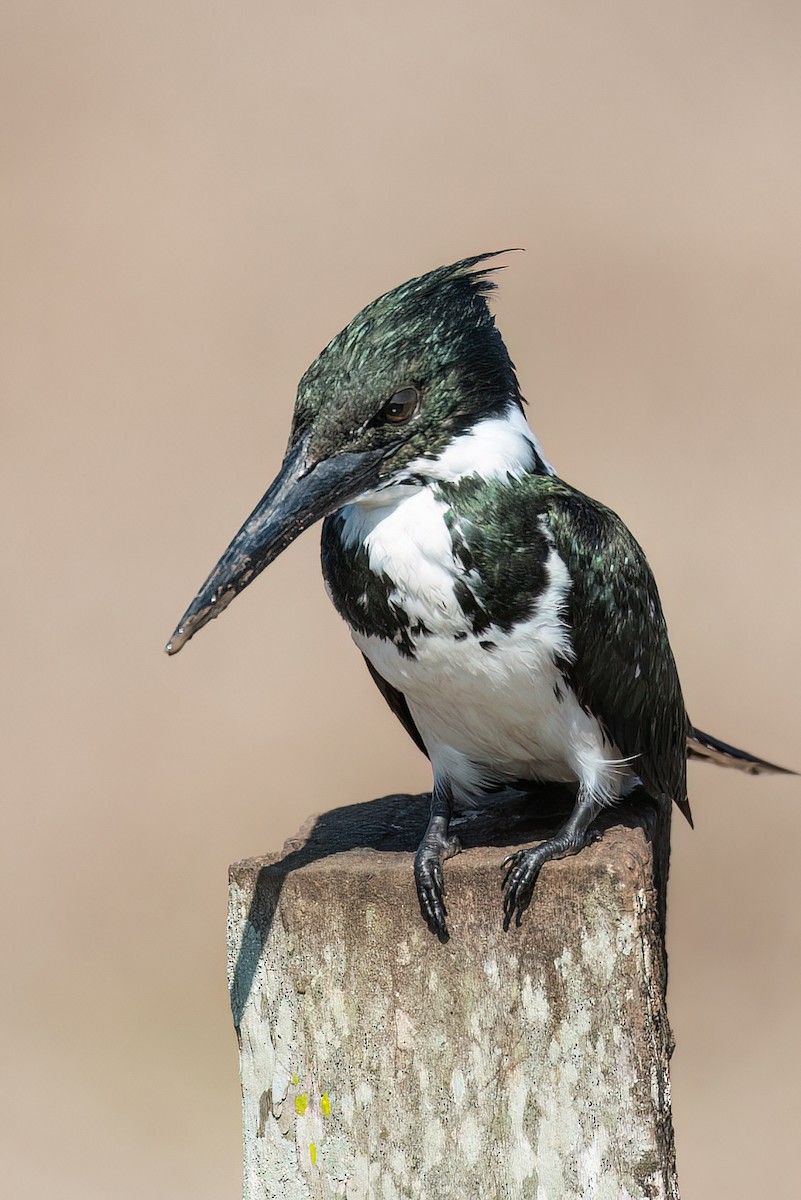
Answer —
684 808
703 746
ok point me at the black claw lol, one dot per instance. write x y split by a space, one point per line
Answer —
436 923
512 860
436 846
523 866
430 893
430 880
521 876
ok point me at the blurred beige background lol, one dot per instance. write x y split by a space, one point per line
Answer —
195 197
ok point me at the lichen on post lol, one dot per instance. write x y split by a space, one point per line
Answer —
380 1064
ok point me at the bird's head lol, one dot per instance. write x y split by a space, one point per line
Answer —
412 371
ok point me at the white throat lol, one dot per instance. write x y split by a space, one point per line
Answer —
494 448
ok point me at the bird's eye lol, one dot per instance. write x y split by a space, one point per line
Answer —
401 407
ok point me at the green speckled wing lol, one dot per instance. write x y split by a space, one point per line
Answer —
623 671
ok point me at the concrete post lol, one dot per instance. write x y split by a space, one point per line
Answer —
379 1064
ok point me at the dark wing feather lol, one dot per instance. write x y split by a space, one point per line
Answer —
623 671
397 702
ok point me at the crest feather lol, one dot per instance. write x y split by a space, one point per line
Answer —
466 269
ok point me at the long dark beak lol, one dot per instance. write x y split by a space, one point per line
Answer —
299 496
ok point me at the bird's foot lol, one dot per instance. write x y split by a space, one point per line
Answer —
431 854
524 866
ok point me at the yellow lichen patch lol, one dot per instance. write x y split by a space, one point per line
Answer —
325 1104
313 1154
295 1081
301 1103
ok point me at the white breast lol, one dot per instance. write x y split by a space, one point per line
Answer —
404 534
490 708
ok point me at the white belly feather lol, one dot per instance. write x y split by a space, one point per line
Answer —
486 716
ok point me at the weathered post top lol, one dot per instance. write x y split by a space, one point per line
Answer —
380 1064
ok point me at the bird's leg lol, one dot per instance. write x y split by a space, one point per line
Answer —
435 847
523 867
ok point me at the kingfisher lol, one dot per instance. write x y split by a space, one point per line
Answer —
511 622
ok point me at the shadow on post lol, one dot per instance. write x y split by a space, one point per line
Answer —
395 824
